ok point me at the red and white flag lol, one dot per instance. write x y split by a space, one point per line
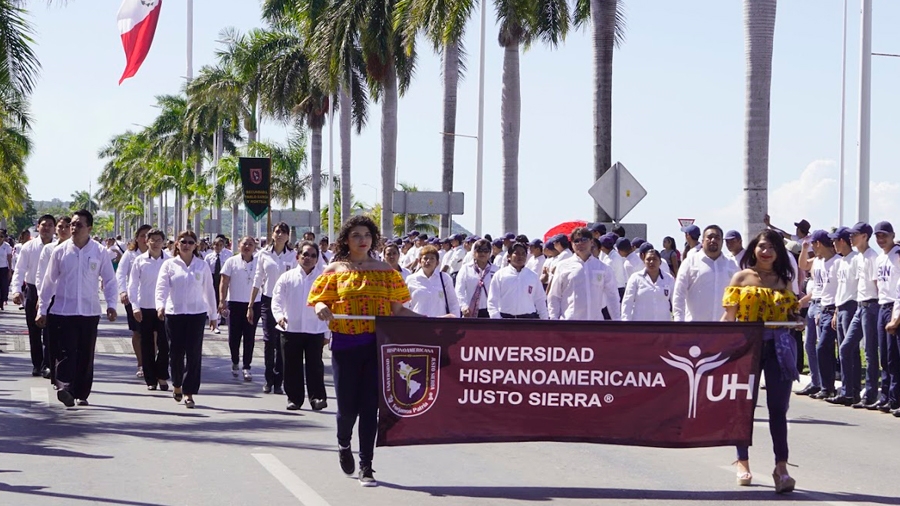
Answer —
137 23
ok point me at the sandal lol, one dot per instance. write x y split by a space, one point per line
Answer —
189 403
743 476
177 396
783 482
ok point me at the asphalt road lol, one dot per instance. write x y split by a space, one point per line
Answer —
241 447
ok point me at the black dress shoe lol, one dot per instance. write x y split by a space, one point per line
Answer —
45 373
842 400
875 405
293 406
823 394
66 398
318 404
896 412
888 407
809 390
267 389
82 402
35 371
278 390
861 404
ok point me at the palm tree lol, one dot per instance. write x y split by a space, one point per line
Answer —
521 22
425 223
443 23
355 206
369 25
19 66
15 147
759 29
83 200
607 21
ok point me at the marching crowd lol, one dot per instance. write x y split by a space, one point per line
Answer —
836 282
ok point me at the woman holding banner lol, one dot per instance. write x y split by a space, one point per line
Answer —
762 292
356 284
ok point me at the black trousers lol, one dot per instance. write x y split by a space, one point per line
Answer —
156 358
75 339
356 385
239 327
272 352
49 347
528 316
38 349
303 354
4 285
185 333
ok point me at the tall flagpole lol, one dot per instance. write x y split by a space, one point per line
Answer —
330 172
865 109
479 164
841 183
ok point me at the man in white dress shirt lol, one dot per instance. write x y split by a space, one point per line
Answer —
629 252
734 243
76 268
26 273
536 261
63 234
701 281
453 259
216 259
846 305
614 260
583 285
515 291
692 238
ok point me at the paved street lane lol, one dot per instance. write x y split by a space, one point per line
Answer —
241 447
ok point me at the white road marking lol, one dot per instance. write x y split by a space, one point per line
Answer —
303 492
40 396
116 347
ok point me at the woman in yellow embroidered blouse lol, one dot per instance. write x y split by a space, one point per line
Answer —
761 292
356 283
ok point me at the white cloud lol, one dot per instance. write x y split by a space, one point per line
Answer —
813 196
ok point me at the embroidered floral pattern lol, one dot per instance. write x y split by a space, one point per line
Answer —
358 293
756 303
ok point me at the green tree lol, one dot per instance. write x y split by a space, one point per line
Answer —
83 200
26 218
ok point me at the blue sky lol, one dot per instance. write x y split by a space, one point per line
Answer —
678 92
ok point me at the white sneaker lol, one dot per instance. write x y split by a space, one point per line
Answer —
247 375
217 331
234 370
140 372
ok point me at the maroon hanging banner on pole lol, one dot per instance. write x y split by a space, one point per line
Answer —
642 384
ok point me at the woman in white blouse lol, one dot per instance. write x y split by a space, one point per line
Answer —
234 303
391 255
273 261
141 291
648 293
303 334
474 280
185 299
431 292
515 291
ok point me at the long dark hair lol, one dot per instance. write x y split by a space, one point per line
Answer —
343 248
132 244
782 265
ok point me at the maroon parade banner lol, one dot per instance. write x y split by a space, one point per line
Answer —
669 385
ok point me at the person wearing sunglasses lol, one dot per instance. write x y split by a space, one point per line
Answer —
185 299
474 280
583 285
274 261
302 332
75 270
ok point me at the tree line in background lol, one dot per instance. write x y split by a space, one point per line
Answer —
314 55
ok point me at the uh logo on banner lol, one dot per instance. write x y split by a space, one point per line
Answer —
256 183
454 381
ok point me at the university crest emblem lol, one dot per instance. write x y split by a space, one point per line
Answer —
256 176
411 375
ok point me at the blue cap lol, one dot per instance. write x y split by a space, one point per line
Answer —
862 228
510 236
497 242
597 228
414 233
842 233
732 234
637 241
692 230
623 243
536 243
884 227
471 238
645 247
608 240
820 236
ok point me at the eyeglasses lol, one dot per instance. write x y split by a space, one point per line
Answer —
482 250
309 255
580 240
189 243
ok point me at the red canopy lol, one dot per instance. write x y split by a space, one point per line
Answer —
564 228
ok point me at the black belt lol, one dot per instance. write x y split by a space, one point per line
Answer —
483 313
529 316
829 307
867 303
846 304
816 301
